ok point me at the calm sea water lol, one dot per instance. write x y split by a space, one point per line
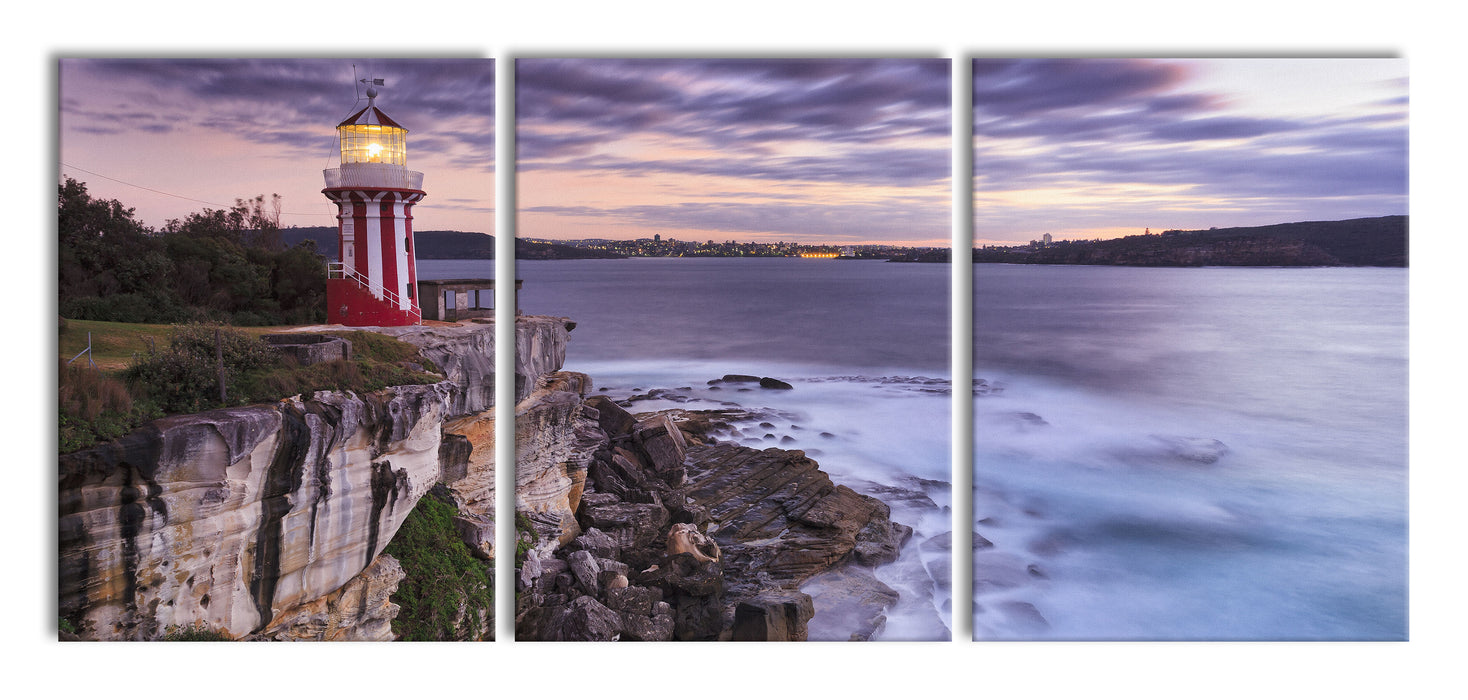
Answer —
864 343
1215 453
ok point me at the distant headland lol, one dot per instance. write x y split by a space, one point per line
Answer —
452 245
461 245
1369 242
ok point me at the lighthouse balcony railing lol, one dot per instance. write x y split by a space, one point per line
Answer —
369 175
337 270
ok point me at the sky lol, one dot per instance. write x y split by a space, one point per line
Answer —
1100 148
804 150
185 135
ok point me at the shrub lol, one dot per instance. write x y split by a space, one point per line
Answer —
383 348
95 407
193 632
185 377
443 577
524 538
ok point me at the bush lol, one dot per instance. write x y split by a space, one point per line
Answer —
524 538
443 578
185 377
95 407
193 632
142 307
383 348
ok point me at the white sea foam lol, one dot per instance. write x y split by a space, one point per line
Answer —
879 435
1110 514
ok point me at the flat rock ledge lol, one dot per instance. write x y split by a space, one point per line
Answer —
679 539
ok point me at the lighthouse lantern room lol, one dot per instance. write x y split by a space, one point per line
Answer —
374 281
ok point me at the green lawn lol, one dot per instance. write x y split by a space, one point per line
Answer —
113 344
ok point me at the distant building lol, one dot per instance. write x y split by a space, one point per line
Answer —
1045 239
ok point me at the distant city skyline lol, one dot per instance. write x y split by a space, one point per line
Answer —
169 137
801 150
1103 148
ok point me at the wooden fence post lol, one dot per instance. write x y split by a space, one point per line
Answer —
219 362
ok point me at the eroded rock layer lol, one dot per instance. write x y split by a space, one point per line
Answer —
232 518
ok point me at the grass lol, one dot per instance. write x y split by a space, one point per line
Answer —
114 344
146 371
443 576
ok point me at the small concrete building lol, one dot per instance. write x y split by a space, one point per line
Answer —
459 299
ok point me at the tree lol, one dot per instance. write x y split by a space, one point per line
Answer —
102 249
220 264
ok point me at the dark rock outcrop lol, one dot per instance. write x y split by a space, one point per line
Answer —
771 520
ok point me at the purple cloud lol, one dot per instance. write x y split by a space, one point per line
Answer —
1066 123
286 102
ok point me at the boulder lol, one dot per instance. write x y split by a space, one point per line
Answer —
664 445
597 543
1192 449
585 568
854 604
613 419
583 620
777 616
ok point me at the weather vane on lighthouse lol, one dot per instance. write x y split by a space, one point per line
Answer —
374 283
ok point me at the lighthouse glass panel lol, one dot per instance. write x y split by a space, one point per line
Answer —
373 143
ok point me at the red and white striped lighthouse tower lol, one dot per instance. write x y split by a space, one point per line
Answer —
374 284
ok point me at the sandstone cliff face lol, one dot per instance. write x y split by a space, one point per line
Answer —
554 443
544 433
466 354
268 522
233 518
540 349
360 611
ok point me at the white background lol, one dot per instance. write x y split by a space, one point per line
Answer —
35 35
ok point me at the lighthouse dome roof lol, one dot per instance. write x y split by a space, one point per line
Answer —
371 115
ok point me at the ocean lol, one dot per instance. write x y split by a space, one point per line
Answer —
865 344
1190 454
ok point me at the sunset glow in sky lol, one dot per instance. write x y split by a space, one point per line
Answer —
805 150
216 130
808 150
1100 148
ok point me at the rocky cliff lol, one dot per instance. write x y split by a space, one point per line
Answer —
268 521
230 518
644 527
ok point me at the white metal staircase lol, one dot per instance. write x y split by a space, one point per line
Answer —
338 270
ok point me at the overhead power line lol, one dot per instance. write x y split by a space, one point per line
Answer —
170 194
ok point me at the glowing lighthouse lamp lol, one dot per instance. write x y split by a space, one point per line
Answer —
374 191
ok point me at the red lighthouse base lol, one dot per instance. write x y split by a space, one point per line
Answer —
349 304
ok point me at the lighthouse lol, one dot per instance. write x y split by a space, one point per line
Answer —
374 282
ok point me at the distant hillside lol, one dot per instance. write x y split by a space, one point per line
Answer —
525 250
449 245
1375 242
